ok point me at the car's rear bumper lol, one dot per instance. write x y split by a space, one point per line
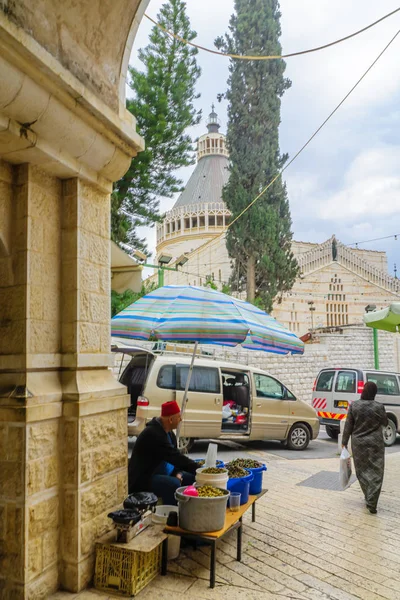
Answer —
135 426
330 422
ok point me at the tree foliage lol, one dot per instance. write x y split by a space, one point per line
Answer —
163 105
210 283
121 301
260 240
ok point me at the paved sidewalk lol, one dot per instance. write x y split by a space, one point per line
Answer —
307 544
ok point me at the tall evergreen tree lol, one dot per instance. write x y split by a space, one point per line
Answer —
163 104
260 241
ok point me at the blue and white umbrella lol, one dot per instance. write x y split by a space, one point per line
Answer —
196 314
177 313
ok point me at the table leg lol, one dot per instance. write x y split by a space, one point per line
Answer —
239 541
253 513
213 563
164 557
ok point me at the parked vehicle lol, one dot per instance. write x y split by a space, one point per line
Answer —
336 388
225 400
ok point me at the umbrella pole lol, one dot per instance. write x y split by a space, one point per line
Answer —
184 400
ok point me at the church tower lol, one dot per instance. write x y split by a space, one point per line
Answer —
199 213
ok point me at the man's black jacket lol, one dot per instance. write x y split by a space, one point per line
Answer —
153 446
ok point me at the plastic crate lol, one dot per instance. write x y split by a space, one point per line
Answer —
125 571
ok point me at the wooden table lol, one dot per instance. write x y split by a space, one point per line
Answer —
233 520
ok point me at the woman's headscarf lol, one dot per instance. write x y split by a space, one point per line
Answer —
369 392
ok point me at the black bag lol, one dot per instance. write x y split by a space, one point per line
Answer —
141 500
125 517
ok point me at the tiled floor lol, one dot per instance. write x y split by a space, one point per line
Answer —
307 544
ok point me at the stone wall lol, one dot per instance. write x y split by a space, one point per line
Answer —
95 483
88 39
63 432
348 347
65 129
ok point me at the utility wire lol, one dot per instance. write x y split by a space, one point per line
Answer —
213 240
304 145
394 235
272 57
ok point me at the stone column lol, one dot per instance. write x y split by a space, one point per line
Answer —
30 388
63 425
94 429
63 428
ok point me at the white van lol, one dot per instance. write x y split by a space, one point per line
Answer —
225 400
336 388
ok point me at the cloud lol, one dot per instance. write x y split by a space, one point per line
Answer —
346 181
371 187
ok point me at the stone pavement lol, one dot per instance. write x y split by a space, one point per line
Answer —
307 544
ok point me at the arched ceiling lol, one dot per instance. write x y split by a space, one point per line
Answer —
90 38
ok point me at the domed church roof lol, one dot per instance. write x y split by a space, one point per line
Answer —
206 181
211 172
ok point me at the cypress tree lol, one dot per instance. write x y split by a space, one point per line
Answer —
163 104
260 241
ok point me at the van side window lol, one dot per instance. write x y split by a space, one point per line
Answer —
268 387
387 384
325 381
167 377
204 379
346 382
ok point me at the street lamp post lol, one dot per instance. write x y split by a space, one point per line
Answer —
311 309
163 261
370 308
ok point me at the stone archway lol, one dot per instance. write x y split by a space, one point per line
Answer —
65 137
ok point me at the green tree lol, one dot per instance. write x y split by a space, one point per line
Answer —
260 240
163 104
210 283
121 301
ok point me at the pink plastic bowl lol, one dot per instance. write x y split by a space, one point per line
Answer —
190 491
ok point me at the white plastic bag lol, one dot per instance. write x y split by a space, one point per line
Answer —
345 469
211 458
226 412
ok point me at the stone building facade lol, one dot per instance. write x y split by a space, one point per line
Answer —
65 137
200 216
335 282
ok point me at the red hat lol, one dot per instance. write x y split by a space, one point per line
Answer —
169 409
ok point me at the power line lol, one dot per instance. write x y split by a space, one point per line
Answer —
306 143
213 240
194 274
386 237
272 57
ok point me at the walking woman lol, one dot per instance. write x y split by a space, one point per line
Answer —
364 423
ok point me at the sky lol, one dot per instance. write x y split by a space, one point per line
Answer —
347 182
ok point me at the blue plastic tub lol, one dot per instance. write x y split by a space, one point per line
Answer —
241 485
219 464
256 484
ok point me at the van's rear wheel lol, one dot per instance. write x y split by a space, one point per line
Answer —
389 433
298 438
185 444
333 432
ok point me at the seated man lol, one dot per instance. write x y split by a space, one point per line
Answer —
156 465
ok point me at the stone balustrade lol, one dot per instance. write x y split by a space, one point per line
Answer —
323 255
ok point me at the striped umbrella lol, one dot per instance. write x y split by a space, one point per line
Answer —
196 314
177 313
